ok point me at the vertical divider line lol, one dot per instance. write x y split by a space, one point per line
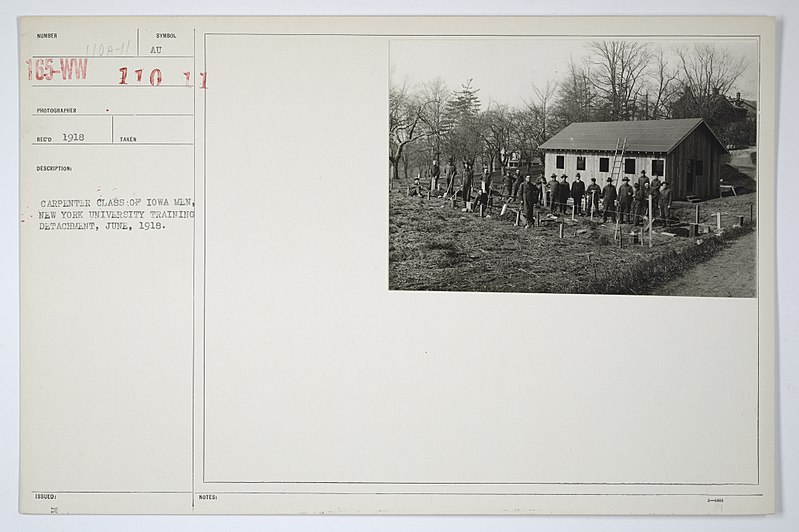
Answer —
193 257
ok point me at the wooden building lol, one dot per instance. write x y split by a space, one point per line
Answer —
684 152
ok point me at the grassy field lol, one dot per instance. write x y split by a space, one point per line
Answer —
435 247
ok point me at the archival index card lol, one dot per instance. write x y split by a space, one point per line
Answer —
347 265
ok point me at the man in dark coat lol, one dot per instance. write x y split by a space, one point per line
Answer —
578 191
485 184
553 192
509 179
643 180
529 196
468 178
563 193
654 189
625 200
639 210
450 172
435 172
664 202
593 191
519 179
542 190
609 201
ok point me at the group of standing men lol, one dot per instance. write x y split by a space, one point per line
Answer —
630 202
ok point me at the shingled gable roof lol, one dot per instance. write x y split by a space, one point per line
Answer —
643 136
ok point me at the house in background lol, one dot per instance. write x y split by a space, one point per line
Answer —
734 120
684 152
532 165
749 107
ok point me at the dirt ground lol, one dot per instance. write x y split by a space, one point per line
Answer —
435 247
731 272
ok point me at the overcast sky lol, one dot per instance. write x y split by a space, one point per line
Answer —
503 69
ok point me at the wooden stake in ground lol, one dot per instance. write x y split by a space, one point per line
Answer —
518 217
651 220
642 235
561 229
718 221
428 194
592 204
481 210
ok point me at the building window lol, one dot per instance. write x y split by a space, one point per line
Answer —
580 163
629 166
657 167
604 164
560 162
699 168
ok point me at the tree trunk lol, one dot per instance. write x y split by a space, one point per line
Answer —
394 170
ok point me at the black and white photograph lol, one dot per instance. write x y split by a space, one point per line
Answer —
574 165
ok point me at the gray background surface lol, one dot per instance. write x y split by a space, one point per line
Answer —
787 517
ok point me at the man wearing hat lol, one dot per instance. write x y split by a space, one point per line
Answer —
486 180
529 196
639 206
625 200
664 202
609 201
468 179
643 180
553 192
435 172
508 185
593 192
450 171
563 193
654 190
517 183
541 182
578 191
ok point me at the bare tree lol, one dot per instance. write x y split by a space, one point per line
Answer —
663 82
496 126
707 73
576 95
404 124
618 74
436 96
541 106
527 133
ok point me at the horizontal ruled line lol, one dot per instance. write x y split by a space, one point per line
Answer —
51 56
112 114
405 483
482 493
112 143
112 85
92 492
